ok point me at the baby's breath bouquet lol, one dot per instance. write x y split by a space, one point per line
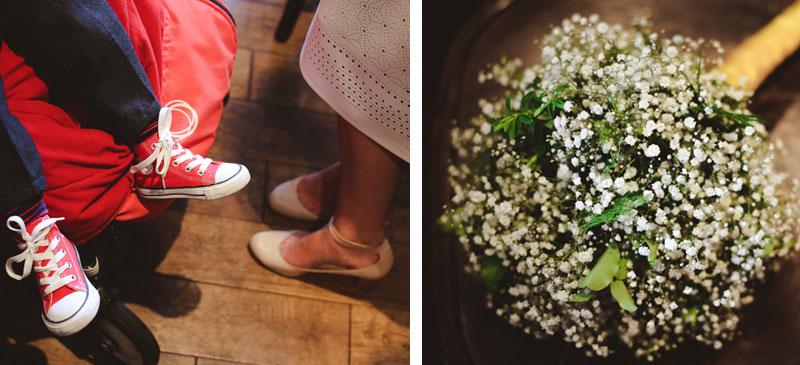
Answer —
620 193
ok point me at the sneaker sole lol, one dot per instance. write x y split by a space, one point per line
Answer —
80 319
209 192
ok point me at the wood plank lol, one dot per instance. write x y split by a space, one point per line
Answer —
256 23
46 350
24 340
175 359
246 204
240 80
277 80
211 249
231 324
379 335
273 133
204 361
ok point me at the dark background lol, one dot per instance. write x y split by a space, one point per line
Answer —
440 22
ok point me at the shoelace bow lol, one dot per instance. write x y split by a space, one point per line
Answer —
166 147
32 242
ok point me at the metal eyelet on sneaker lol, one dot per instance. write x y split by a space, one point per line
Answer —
201 173
187 169
175 163
73 277
153 145
69 265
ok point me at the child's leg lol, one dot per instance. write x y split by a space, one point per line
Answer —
80 46
70 301
20 166
82 52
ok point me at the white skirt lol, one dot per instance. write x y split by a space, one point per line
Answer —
356 57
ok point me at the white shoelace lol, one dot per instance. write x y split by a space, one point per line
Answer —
184 108
166 147
37 238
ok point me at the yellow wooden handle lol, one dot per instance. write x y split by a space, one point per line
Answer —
762 52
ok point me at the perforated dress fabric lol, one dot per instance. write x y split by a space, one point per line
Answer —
356 57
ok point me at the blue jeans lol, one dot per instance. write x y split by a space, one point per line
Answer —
84 55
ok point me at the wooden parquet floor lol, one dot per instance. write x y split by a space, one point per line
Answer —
188 274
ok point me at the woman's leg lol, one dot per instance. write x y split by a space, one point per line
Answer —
318 191
367 182
368 178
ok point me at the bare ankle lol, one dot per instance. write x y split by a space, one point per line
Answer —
317 191
370 236
309 192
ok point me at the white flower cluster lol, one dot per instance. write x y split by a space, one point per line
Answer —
623 141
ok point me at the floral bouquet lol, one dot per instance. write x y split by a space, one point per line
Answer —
620 193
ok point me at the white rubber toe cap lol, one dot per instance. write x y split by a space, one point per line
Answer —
266 247
67 307
227 170
73 312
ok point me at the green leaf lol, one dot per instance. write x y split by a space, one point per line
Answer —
549 124
651 258
620 205
546 115
692 313
508 104
448 225
502 123
622 272
603 271
623 297
536 154
700 68
526 119
769 248
526 99
540 109
492 270
741 119
582 297
562 87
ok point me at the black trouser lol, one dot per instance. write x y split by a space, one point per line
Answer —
84 55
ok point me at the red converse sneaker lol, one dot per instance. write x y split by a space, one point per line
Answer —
167 170
70 301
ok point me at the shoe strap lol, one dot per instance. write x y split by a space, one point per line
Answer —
337 236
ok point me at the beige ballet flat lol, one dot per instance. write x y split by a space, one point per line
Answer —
265 246
284 200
